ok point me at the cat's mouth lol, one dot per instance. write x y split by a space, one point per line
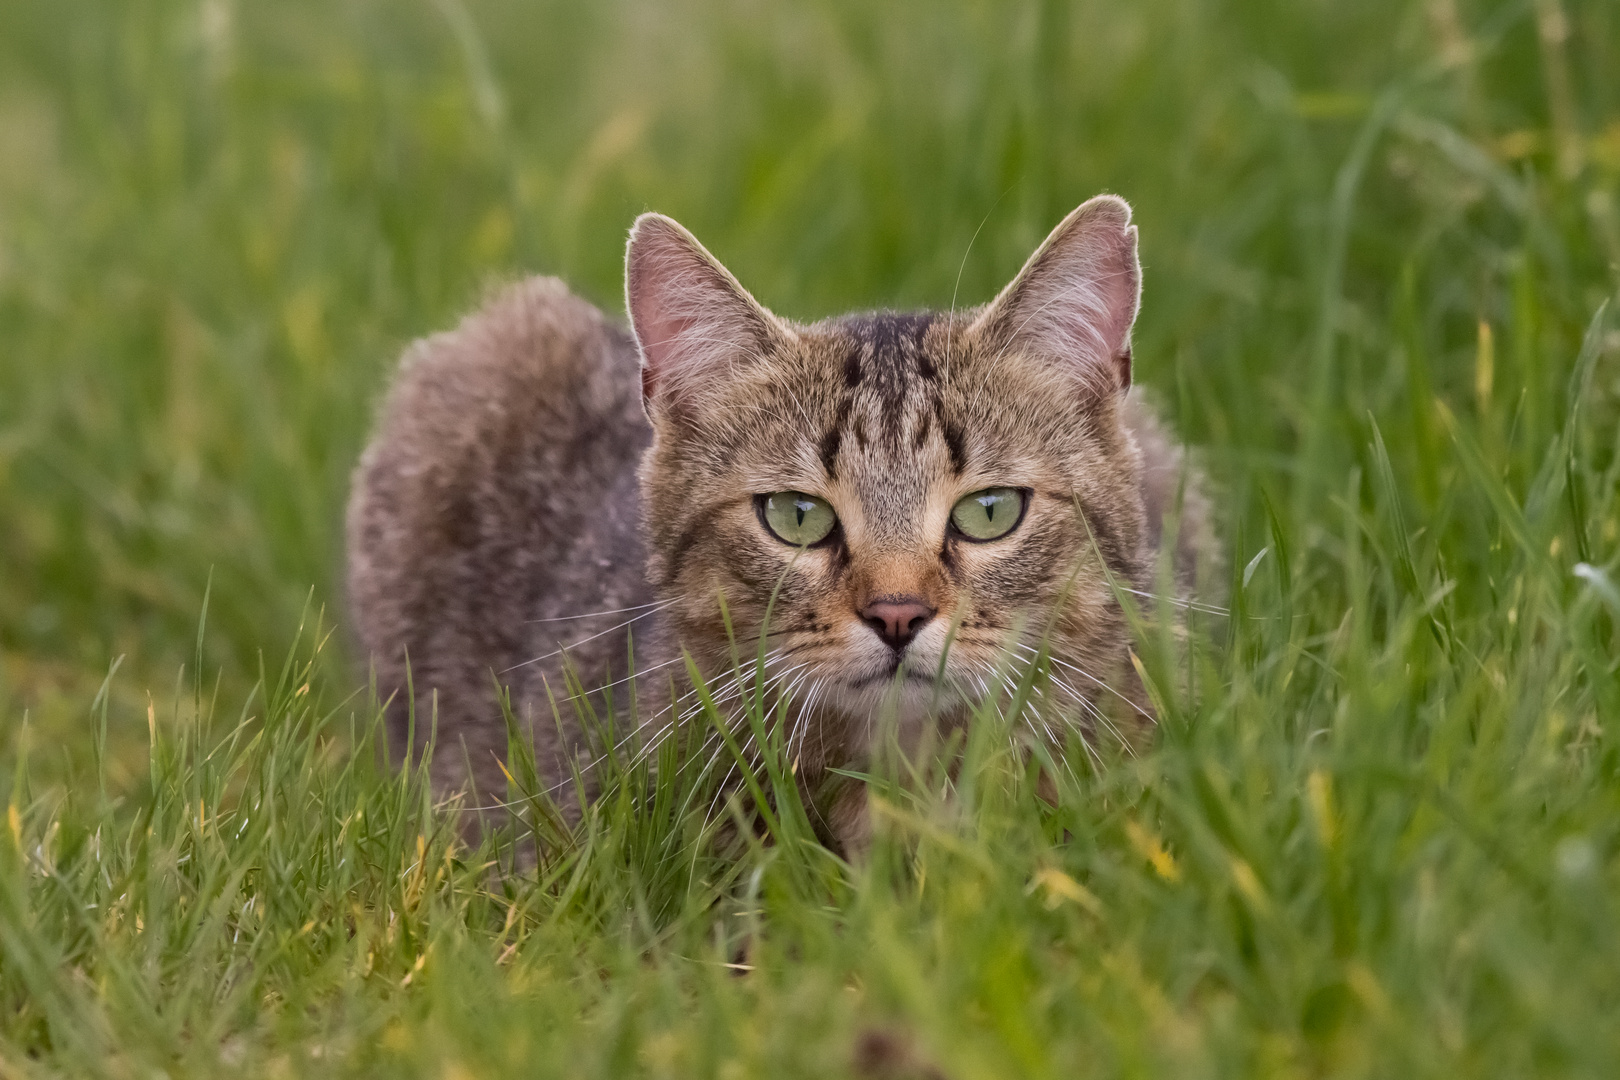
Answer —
882 677
887 675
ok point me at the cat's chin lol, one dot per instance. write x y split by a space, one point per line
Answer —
907 700
908 708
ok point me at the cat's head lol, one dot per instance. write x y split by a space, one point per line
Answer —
910 495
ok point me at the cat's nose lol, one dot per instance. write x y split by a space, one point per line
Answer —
896 619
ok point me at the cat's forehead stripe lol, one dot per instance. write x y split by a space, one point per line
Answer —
889 377
833 439
956 444
887 331
888 351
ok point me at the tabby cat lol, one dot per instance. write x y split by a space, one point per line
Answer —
927 496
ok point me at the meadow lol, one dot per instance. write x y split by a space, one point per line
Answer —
1378 834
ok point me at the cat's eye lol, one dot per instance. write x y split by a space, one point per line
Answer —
989 514
796 518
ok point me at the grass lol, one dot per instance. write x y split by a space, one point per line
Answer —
1379 834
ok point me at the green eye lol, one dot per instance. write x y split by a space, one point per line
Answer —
988 514
796 518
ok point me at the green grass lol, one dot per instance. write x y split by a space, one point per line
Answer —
1380 832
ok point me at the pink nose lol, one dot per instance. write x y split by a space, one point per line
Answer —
896 619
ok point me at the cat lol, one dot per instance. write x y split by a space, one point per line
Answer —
918 498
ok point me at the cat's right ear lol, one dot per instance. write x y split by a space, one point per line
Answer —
1074 302
693 321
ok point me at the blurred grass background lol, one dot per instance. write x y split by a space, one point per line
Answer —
1375 238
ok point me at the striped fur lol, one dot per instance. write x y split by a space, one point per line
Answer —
891 417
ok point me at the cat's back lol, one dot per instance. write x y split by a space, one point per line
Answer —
497 496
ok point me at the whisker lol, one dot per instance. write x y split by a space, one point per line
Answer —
1190 605
594 614
1038 716
801 723
729 687
1098 714
807 710
638 674
796 673
950 341
1088 675
690 705
1087 706
593 637
1079 730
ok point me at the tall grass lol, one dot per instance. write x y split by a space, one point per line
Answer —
1377 834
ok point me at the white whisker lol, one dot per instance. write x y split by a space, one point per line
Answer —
638 674
594 614
1087 675
592 637
1190 605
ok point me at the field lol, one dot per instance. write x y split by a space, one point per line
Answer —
1379 833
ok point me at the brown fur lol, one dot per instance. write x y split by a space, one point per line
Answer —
501 494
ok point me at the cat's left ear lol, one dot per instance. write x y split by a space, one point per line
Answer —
1075 300
694 322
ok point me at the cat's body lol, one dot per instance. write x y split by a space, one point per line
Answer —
496 504
535 466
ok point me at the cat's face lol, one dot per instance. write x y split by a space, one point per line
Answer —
910 500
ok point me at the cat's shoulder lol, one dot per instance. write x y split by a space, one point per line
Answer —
1175 492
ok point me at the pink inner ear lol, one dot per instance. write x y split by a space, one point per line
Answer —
661 337
653 272
690 318
1077 300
